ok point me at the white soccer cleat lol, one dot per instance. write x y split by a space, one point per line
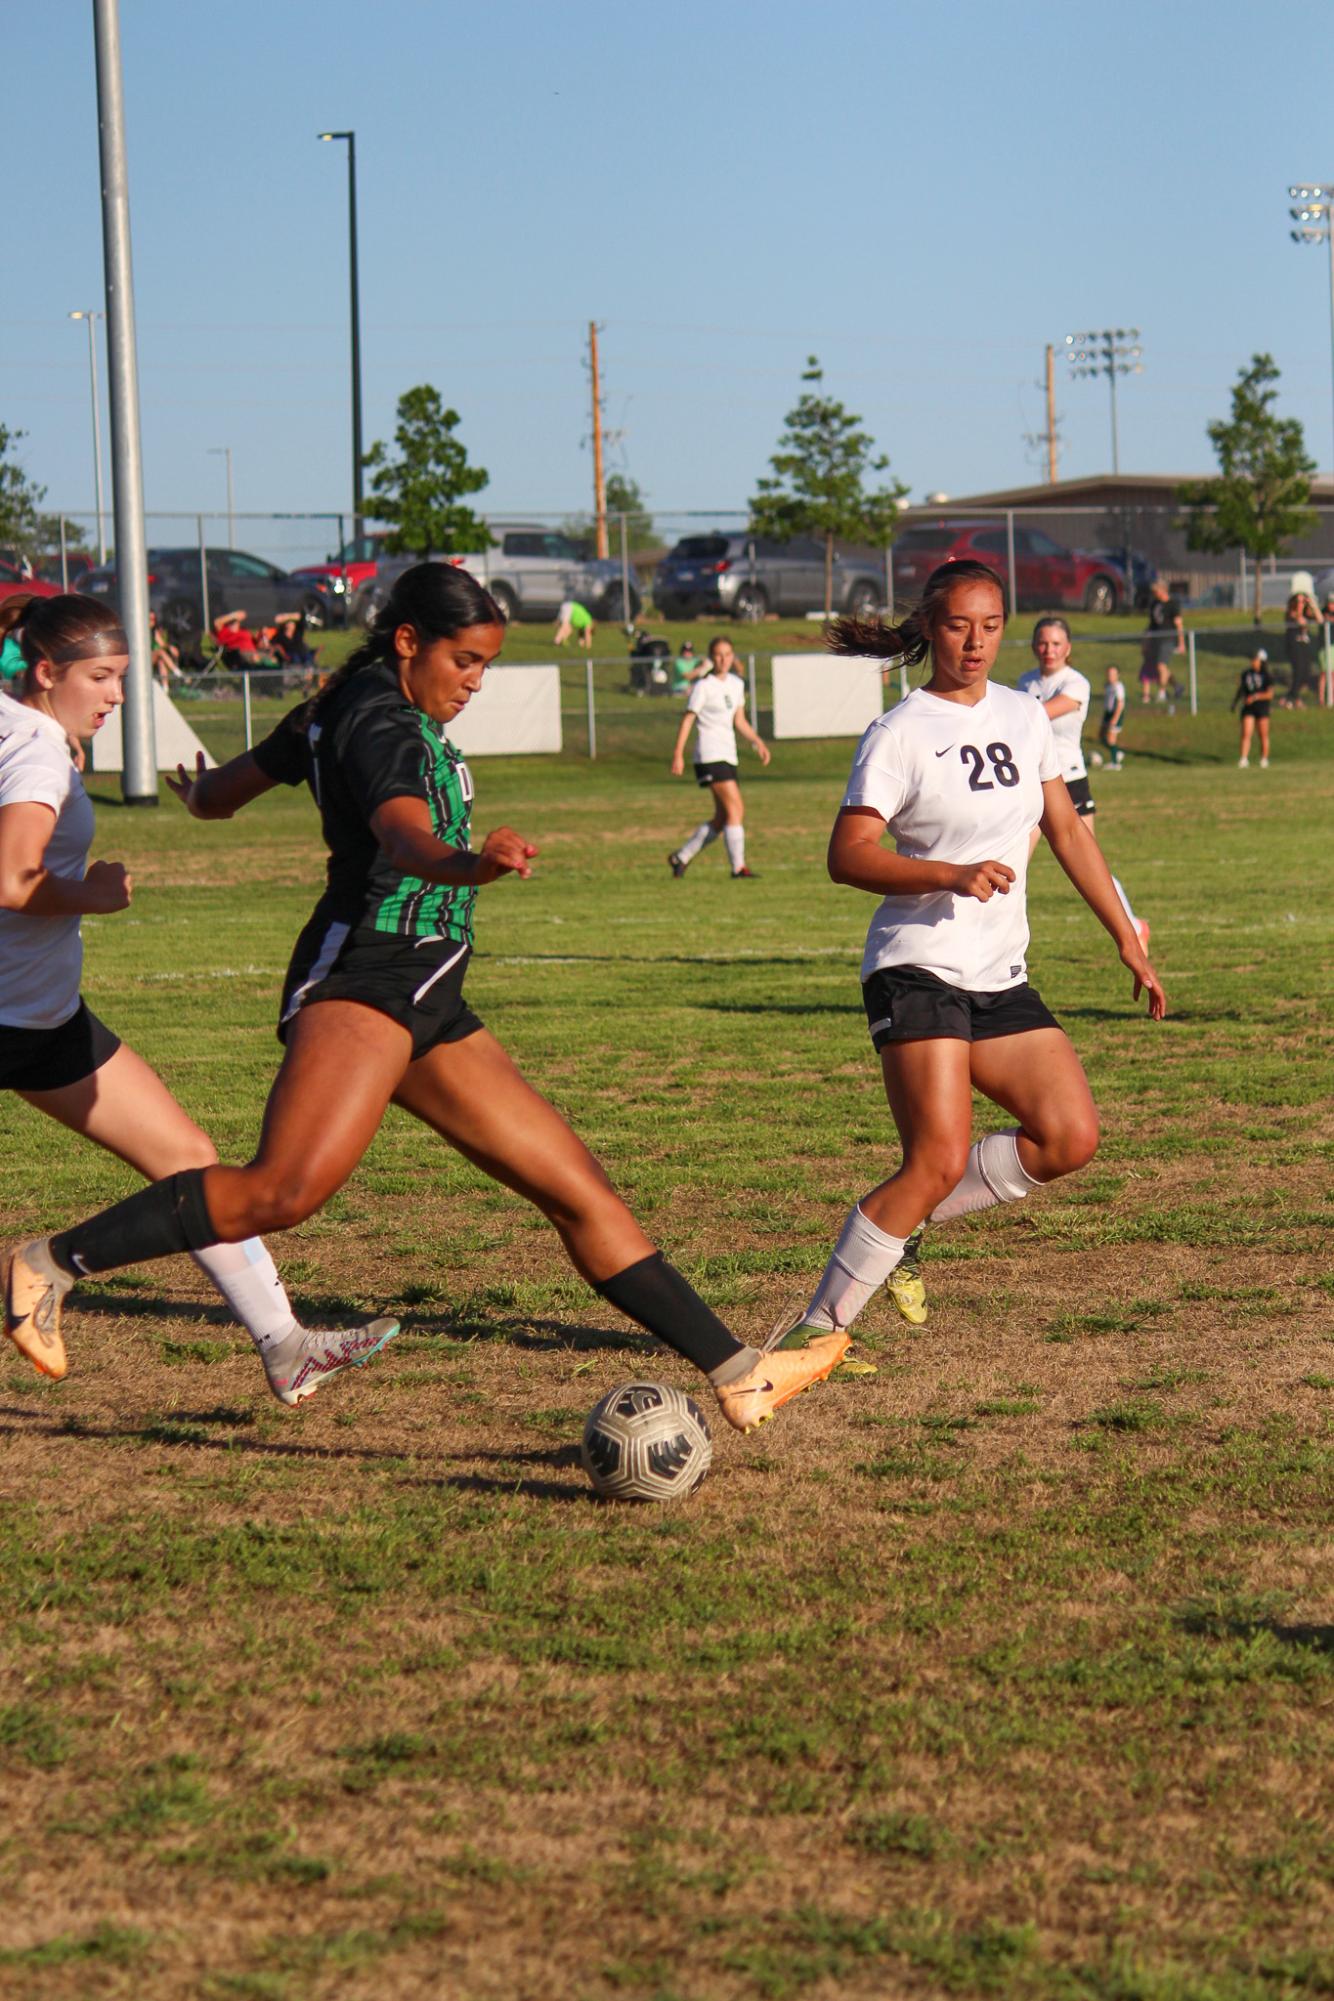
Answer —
306 1358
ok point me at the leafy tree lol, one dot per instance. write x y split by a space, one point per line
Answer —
421 492
1261 498
623 497
20 497
818 485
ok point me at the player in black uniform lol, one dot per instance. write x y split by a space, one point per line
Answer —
373 1010
1255 692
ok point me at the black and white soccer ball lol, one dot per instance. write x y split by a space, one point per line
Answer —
646 1442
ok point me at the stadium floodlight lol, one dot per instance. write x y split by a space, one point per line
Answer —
1315 224
351 139
1109 351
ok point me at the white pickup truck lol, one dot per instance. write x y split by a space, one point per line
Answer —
530 573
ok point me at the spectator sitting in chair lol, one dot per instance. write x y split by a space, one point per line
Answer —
289 641
687 667
239 648
166 658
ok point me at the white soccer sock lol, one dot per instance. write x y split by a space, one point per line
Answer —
248 1280
735 840
1125 901
703 834
994 1174
861 1260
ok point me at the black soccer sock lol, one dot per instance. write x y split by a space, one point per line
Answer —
657 1295
169 1216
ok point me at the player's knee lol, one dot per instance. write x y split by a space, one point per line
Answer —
1074 1144
280 1200
938 1169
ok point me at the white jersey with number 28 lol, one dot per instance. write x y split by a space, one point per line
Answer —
957 784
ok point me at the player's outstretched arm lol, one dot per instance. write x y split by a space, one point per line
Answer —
217 794
1082 859
403 828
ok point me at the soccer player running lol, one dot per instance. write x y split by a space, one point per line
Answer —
373 1012
54 1052
718 703
959 774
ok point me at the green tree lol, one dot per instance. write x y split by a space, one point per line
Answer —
622 497
421 492
1261 497
818 483
20 497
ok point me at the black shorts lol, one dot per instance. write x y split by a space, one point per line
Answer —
907 1004
714 774
1080 797
46 1059
417 982
1258 711
1160 651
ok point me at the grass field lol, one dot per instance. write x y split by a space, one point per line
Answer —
1008 1672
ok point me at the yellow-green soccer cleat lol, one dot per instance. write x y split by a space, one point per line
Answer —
904 1284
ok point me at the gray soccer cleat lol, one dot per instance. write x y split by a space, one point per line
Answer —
297 1365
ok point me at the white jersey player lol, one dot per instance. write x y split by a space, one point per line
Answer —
1064 694
717 702
959 776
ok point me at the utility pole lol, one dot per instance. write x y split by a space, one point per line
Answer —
1051 415
599 484
139 777
90 316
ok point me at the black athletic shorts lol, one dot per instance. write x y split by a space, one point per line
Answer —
1080 797
1258 711
46 1059
714 774
907 1004
417 982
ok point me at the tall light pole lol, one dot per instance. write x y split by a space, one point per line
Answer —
1109 351
351 139
1315 224
225 451
87 313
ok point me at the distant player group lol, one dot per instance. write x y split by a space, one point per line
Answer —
964 775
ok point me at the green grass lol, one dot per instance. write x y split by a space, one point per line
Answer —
1005 1672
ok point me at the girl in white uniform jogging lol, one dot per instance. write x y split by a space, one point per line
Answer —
718 703
1065 694
54 1052
959 774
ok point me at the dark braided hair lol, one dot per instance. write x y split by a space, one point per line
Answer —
910 639
438 599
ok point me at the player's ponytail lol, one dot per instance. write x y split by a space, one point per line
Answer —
910 639
437 599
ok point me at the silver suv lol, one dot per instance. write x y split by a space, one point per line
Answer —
747 576
530 573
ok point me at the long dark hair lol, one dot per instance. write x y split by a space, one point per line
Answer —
60 629
438 600
910 638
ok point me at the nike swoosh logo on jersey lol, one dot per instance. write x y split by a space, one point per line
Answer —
945 753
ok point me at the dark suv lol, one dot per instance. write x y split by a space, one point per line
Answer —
746 576
1047 575
236 582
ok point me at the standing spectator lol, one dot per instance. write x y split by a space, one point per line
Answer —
575 621
1299 620
1113 710
1325 678
1254 691
166 657
1166 636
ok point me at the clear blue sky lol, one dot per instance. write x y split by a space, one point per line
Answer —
923 196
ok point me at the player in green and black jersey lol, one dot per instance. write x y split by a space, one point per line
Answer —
373 1010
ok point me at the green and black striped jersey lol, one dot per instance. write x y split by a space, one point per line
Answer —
367 745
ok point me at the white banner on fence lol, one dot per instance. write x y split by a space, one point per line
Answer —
176 741
517 711
815 695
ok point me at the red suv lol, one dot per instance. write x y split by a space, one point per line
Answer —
1048 576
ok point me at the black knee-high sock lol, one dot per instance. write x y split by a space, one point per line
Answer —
661 1299
169 1216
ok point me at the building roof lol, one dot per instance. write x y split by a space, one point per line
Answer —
1097 490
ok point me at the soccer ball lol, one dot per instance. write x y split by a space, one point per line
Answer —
646 1442
1096 760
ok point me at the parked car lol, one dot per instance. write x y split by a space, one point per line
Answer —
13 578
1048 576
746 576
530 573
77 565
1141 572
340 577
236 582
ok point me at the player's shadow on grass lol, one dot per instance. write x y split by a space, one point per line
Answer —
1208 1622
552 1457
544 1335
